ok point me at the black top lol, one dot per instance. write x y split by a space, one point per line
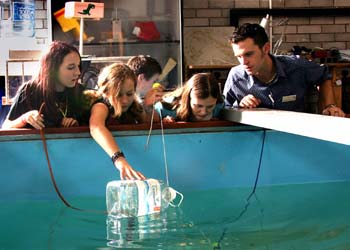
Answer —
69 103
132 116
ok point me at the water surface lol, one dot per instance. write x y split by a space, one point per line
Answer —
307 216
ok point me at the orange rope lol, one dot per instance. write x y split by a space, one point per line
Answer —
42 134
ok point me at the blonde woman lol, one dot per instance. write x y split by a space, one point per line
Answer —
115 102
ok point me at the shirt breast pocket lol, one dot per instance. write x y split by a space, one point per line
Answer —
291 101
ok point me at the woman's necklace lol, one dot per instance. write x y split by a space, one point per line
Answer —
59 107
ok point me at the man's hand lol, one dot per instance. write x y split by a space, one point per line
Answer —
249 101
333 110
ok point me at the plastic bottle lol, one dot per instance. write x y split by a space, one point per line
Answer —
5 18
131 198
23 17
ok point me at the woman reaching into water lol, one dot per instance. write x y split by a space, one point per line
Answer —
115 102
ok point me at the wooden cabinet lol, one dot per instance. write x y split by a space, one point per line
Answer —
341 84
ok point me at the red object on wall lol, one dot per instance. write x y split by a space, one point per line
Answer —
147 31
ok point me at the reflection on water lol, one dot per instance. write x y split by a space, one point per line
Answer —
310 216
292 217
165 229
127 232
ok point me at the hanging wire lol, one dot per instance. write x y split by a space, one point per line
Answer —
60 195
244 210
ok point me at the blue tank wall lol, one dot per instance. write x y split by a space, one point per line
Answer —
218 158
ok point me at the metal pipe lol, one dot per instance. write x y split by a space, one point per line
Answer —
81 34
270 27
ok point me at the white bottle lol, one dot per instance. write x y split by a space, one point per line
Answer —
131 198
23 17
5 18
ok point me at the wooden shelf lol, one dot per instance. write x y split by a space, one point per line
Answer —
210 67
132 42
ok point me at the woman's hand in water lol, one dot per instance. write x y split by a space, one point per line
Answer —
126 171
33 118
69 122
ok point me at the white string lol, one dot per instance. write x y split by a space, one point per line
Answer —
163 143
150 130
164 151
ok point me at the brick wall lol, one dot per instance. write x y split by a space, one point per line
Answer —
41 29
325 32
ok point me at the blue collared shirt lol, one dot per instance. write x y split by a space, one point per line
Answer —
294 76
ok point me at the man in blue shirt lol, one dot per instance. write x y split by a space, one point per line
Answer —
276 82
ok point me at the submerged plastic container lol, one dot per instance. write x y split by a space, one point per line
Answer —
130 198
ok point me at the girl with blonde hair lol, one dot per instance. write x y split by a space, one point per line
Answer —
115 102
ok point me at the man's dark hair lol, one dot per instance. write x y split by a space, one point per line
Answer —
144 65
250 30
